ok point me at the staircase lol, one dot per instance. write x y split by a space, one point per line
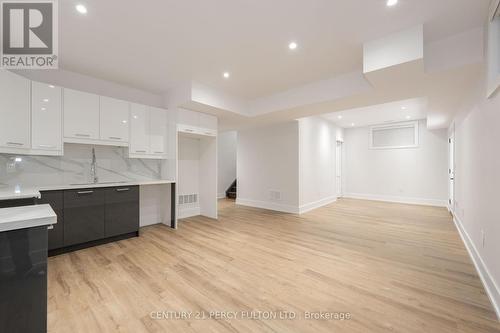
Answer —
231 191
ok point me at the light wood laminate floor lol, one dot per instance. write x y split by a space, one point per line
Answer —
392 267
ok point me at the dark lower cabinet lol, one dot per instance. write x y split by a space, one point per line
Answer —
23 280
83 215
91 216
56 200
122 210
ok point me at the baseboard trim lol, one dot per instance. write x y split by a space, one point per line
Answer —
188 212
489 283
268 205
396 199
317 204
221 195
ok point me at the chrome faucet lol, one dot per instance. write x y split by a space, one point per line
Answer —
93 168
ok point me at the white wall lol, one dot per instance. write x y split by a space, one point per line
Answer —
477 184
413 175
317 143
268 159
395 49
226 151
188 173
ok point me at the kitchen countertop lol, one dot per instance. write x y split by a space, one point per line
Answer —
23 192
15 218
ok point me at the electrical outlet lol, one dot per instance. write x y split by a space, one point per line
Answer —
274 195
11 167
483 238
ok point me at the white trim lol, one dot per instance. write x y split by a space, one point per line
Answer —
317 204
188 212
221 195
95 142
268 205
488 281
397 199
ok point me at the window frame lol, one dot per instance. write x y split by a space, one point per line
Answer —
406 124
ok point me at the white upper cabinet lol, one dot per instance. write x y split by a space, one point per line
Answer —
139 129
46 117
114 122
188 117
158 131
14 111
81 115
196 123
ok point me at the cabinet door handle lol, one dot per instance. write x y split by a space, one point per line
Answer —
122 189
46 146
114 138
83 135
159 152
15 144
140 151
85 192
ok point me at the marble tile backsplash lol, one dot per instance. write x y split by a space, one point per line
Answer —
74 167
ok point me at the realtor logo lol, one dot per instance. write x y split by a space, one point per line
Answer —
29 34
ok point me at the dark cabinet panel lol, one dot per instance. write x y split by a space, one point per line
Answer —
23 280
122 210
17 202
83 215
55 200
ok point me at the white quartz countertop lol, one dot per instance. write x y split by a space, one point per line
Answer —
23 192
15 218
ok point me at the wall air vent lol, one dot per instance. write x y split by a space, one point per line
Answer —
274 195
185 199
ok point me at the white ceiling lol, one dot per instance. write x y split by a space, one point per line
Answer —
155 44
405 110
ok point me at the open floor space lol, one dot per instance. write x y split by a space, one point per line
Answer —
392 267
249 166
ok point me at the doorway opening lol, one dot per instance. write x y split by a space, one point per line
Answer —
338 168
451 171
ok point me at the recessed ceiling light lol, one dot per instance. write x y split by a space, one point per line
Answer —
226 75
124 121
403 108
352 124
45 100
292 45
408 117
81 9
135 117
18 159
51 86
43 109
339 116
391 3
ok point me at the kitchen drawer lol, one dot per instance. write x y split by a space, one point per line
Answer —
122 210
83 215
